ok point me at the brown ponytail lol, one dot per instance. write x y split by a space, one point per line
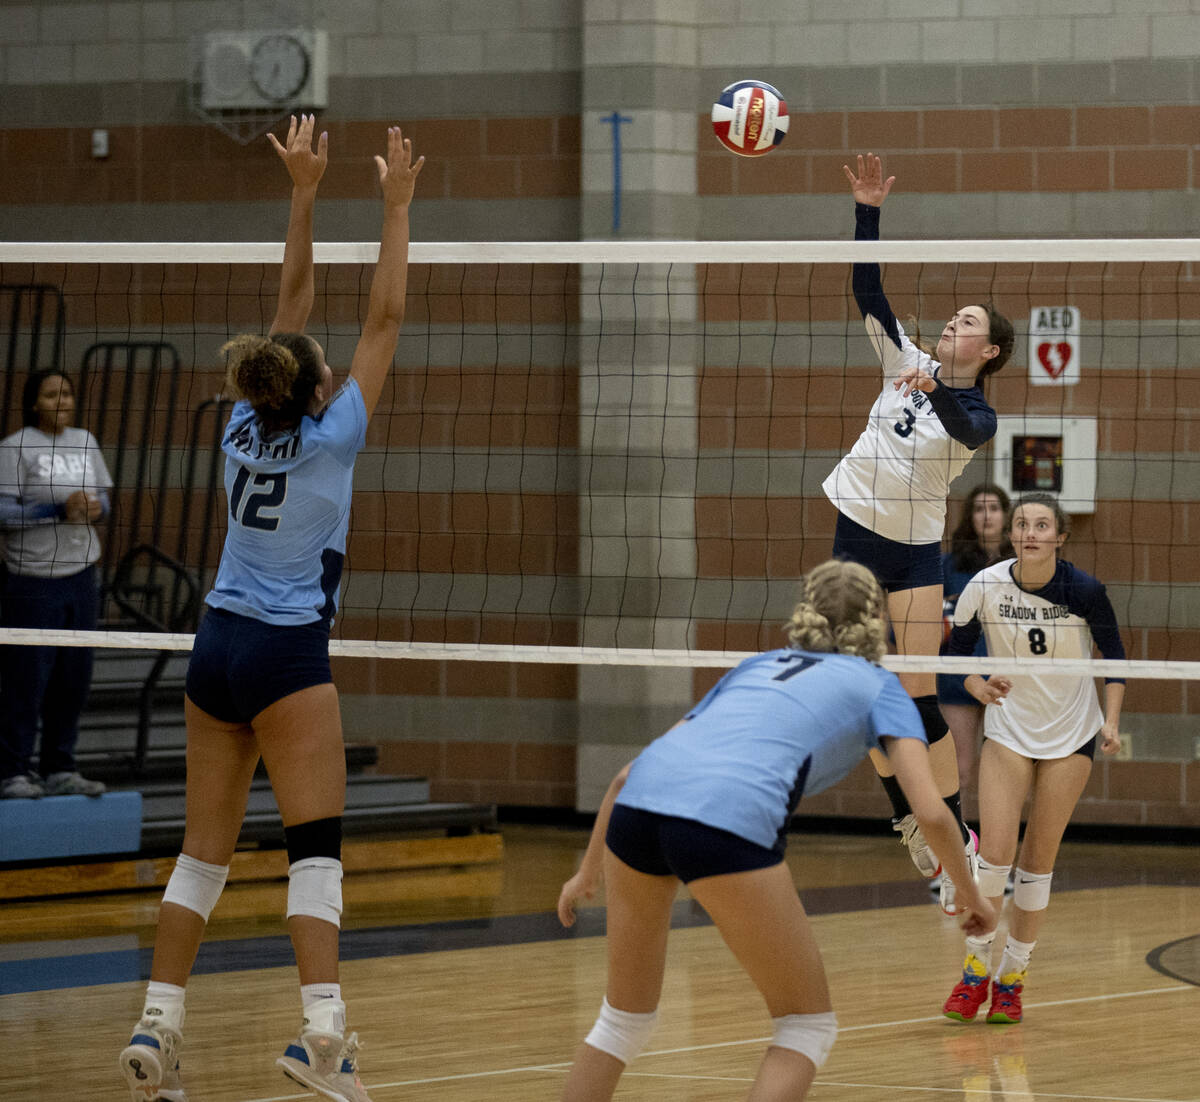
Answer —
276 375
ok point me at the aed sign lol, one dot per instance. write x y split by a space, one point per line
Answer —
1054 346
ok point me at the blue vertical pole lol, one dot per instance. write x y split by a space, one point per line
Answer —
615 120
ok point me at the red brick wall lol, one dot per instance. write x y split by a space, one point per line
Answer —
465 159
969 150
1079 149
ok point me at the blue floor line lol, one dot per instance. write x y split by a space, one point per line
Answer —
127 965
50 973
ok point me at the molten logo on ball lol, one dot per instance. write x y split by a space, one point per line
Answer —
750 118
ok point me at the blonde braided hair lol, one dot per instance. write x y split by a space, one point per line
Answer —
840 609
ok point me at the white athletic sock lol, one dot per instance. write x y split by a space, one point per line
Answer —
164 1006
1015 958
326 1012
312 992
981 947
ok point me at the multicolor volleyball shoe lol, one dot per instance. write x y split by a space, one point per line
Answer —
947 892
969 993
1006 999
326 1064
918 849
150 1064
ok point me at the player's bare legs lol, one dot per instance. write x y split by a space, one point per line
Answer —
1057 785
221 758
761 919
916 616
639 920
300 738
966 726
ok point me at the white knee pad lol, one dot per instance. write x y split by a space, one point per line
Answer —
315 889
621 1033
195 885
811 1035
992 878
1031 890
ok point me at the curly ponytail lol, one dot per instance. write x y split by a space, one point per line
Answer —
276 375
840 609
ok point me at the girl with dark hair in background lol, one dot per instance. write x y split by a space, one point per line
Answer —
978 541
53 490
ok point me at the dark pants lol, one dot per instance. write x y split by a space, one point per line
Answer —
49 684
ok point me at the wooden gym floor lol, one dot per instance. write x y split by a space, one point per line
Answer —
463 987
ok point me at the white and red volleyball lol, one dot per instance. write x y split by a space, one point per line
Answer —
750 118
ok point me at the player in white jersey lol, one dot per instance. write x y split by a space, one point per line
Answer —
890 490
1040 732
708 804
259 681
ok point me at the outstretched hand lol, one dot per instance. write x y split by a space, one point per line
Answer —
398 174
304 166
868 185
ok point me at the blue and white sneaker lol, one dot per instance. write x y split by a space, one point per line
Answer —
326 1064
150 1064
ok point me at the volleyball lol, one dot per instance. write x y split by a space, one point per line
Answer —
750 118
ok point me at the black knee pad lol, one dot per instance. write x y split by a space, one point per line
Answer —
316 838
931 718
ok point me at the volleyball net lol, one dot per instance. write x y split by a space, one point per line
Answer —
613 453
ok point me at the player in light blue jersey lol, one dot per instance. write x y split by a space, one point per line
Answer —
708 804
1041 731
890 490
259 681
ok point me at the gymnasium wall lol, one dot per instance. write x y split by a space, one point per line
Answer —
1000 118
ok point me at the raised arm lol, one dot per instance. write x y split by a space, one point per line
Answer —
869 189
385 307
306 169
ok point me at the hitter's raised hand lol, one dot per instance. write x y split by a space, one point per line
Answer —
867 185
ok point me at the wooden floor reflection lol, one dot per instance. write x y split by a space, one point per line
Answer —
499 1018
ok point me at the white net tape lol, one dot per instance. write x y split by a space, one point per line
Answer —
1016 250
1178 251
613 656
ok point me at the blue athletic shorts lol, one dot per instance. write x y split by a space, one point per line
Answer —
897 565
1087 750
240 666
950 690
666 845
